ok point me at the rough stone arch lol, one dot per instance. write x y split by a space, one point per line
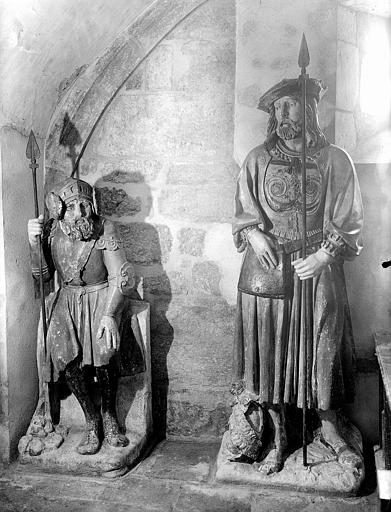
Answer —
86 100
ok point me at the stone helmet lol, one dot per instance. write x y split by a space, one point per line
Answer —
66 191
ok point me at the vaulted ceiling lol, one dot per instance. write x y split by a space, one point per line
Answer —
44 43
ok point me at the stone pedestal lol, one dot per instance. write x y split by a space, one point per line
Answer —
324 473
134 409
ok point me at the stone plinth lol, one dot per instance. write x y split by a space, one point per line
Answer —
324 474
134 411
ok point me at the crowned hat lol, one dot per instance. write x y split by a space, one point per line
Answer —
291 87
73 188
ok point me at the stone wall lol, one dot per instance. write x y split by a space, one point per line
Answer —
161 158
268 41
19 386
362 117
362 127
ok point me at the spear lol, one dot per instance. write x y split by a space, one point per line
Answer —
33 153
303 61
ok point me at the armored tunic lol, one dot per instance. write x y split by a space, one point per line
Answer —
269 348
74 311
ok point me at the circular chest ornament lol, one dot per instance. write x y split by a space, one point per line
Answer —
282 187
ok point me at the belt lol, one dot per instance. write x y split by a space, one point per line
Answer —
295 245
83 290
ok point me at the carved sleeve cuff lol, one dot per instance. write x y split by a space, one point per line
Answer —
334 245
245 231
45 272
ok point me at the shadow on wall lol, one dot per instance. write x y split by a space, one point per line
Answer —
143 249
142 243
69 138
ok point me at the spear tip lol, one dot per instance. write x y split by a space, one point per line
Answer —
32 149
304 56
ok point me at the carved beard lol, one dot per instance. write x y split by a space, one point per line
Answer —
81 229
288 130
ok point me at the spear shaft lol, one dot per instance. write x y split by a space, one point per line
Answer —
41 285
304 60
33 153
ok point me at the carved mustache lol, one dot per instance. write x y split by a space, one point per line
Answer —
80 229
288 129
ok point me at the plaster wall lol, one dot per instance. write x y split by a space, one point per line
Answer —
22 310
44 45
4 425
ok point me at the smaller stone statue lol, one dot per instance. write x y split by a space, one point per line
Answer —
83 315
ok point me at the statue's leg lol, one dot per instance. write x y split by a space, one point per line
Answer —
274 460
77 381
331 436
108 382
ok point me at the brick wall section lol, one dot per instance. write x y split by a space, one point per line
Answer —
162 160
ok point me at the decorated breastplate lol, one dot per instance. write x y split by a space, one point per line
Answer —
282 185
283 196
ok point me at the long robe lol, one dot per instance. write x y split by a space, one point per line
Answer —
269 348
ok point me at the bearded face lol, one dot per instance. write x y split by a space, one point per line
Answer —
78 222
288 116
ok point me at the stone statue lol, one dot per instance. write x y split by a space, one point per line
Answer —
268 357
84 313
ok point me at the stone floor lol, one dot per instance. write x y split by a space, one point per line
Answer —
177 477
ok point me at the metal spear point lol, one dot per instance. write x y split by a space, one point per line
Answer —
32 150
303 61
33 153
304 56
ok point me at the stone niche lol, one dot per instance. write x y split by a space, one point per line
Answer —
151 126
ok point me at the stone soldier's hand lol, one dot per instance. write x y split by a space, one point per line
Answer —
263 247
35 229
108 328
312 265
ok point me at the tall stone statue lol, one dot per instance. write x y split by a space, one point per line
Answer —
84 313
269 348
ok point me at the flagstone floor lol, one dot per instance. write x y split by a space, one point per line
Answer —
178 476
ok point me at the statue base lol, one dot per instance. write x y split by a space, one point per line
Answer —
56 450
108 461
324 474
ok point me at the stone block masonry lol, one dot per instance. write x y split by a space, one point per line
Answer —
162 159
